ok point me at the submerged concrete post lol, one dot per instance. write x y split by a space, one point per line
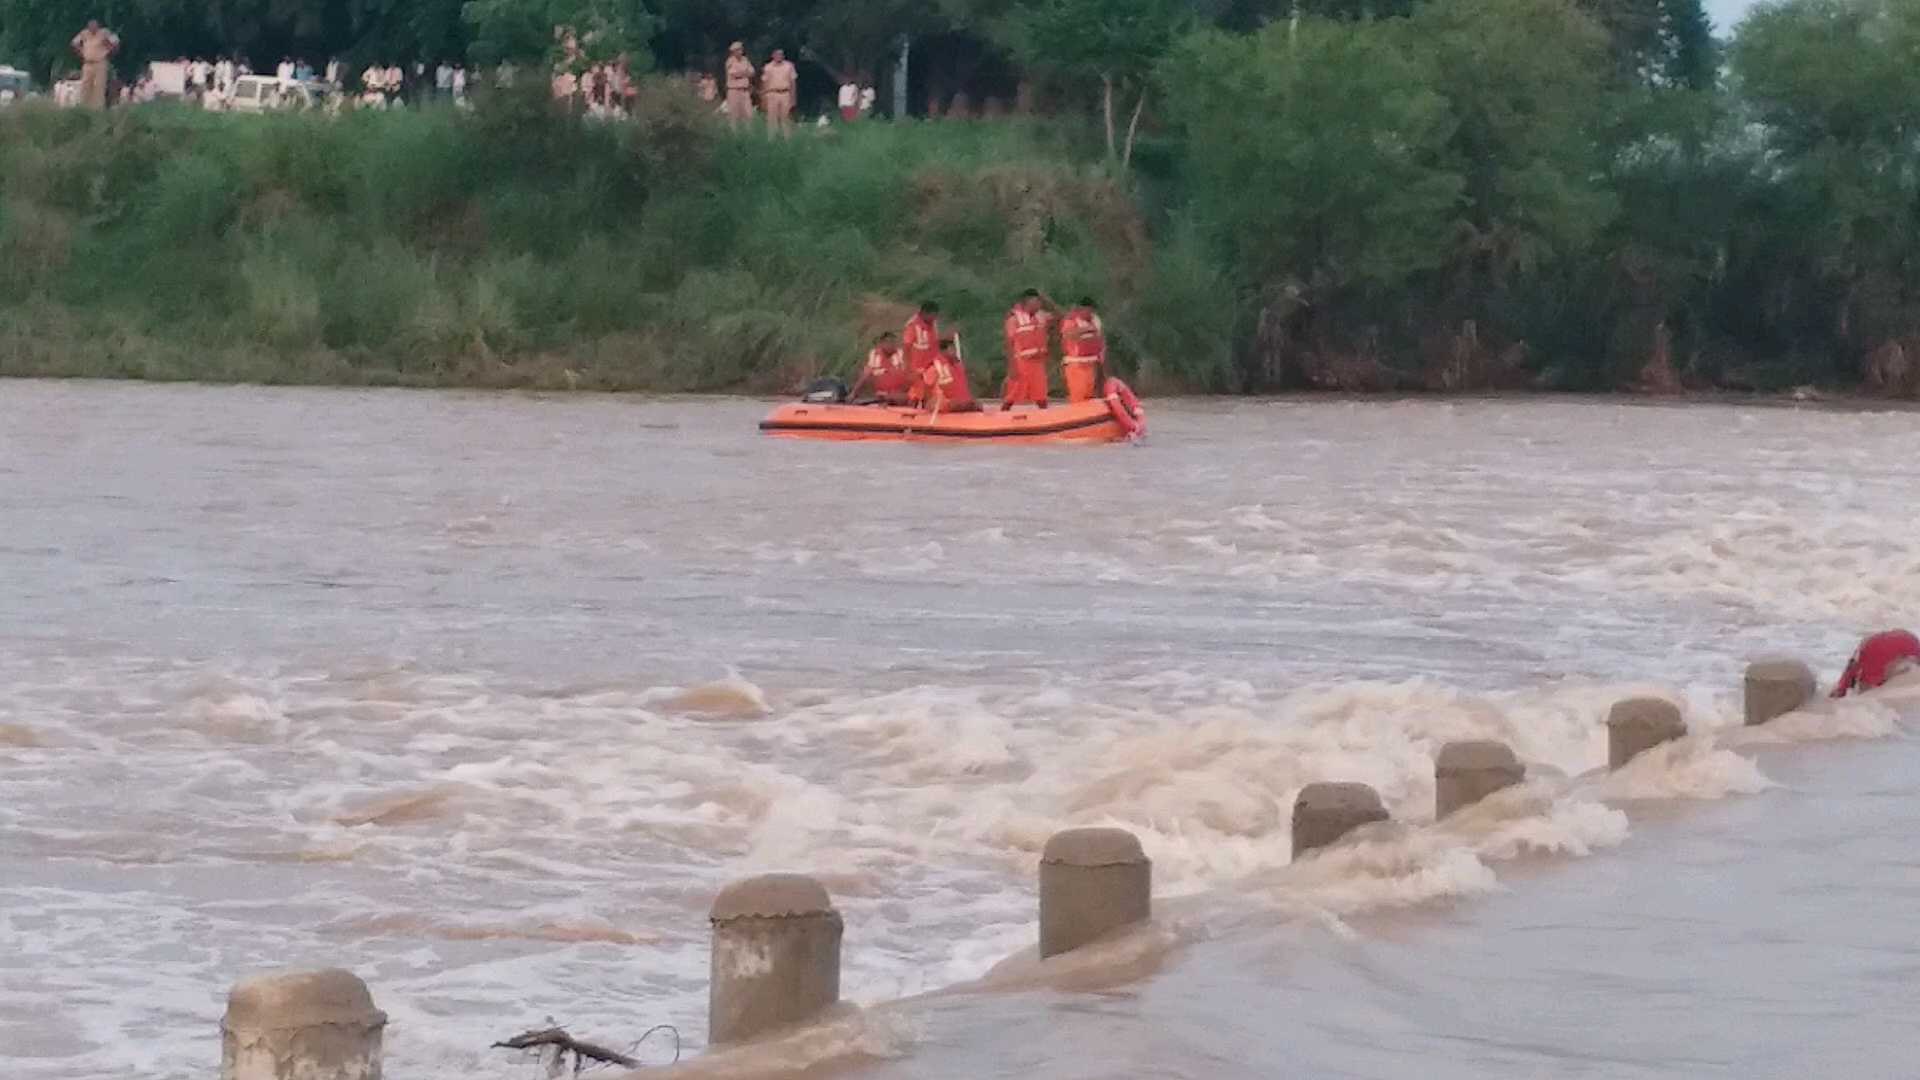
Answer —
1776 688
1092 883
1466 772
1323 813
776 956
1638 724
301 1025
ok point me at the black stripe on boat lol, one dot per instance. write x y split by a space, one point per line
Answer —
1056 428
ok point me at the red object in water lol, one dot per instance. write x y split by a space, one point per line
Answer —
1879 658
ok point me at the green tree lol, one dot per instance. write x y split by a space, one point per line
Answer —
853 39
1526 83
1665 43
528 31
849 38
1115 43
1835 89
1319 160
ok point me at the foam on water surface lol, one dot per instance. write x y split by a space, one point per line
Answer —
566 700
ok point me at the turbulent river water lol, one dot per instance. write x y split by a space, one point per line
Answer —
484 696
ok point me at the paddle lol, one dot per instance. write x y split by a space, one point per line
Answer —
939 395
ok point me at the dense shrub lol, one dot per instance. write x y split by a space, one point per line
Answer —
513 243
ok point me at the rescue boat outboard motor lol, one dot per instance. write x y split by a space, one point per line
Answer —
827 391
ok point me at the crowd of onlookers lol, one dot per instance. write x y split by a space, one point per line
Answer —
740 91
382 85
770 89
212 82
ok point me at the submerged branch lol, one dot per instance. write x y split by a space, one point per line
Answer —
558 1037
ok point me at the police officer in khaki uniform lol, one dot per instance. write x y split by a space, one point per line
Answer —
96 45
778 82
739 85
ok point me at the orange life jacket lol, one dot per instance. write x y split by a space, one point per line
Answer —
947 381
922 343
1082 339
887 371
1026 336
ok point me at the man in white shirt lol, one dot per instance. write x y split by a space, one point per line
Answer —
459 84
443 80
285 70
867 97
849 101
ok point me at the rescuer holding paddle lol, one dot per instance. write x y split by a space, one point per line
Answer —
946 381
922 345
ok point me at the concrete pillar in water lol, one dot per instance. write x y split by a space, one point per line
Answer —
301 1025
1638 724
1466 772
776 956
1323 813
1092 883
1777 687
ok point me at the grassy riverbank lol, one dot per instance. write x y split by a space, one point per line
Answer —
1471 195
511 247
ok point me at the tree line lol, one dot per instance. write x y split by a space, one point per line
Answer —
1515 192
974 46
1353 194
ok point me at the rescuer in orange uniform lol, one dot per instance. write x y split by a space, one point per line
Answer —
885 371
922 346
1083 351
946 382
1026 337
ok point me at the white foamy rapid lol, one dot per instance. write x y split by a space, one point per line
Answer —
485 697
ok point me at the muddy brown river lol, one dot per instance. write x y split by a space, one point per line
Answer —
484 696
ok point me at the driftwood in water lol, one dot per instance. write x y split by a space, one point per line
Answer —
558 1037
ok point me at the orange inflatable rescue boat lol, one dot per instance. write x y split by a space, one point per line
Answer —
1116 418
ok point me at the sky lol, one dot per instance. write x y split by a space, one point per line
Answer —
1726 14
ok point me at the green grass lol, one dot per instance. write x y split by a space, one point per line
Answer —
512 247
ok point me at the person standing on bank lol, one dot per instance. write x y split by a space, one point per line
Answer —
778 81
1027 340
95 46
1083 352
739 85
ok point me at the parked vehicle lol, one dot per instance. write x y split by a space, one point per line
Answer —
267 93
168 78
14 85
